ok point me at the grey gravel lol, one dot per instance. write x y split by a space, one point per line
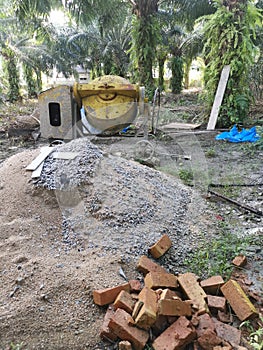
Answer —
117 205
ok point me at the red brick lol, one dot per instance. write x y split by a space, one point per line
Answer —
146 265
177 336
224 347
205 323
228 333
121 322
108 295
168 294
209 340
174 307
124 301
216 303
160 247
145 310
105 331
240 261
238 300
155 280
135 286
124 345
193 291
212 285
224 317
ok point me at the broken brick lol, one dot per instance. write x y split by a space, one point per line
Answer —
145 309
124 301
121 325
156 280
146 265
177 336
105 331
135 286
224 317
167 294
160 247
239 260
228 333
212 285
174 307
107 296
216 303
193 291
238 300
209 340
124 345
205 323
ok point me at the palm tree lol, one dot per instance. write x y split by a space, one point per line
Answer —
229 32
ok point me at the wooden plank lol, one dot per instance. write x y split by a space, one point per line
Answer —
181 126
45 151
36 173
219 97
65 155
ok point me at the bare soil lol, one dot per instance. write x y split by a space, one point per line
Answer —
47 282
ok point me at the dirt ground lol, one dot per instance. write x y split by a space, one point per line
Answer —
47 281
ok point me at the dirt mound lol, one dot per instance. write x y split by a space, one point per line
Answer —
54 254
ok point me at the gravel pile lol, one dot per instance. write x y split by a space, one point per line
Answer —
117 205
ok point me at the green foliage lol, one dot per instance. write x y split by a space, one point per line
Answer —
255 337
31 82
186 176
145 37
229 41
177 74
12 74
214 255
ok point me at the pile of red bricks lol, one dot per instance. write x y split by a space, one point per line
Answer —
170 312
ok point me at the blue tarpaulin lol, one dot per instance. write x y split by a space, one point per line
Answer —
246 135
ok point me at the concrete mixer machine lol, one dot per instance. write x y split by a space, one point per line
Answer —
105 105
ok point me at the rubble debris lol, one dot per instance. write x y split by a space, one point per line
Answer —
177 336
155 280
161 247
145 310
193 291
121 324
238 300
146 265
212 285
240 261
172 318
107 296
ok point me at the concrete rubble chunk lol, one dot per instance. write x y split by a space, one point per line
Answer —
160 247
145 310
238 300
107 296
146 265
193 291
212 285
177 336
155 280
121 325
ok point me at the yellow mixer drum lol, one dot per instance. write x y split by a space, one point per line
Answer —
110 102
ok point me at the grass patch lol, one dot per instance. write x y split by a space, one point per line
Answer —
214 256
